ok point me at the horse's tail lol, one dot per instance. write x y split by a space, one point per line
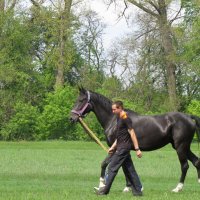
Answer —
197 120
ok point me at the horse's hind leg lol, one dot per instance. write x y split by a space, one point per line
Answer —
182 155
196 162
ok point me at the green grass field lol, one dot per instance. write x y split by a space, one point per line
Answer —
69 170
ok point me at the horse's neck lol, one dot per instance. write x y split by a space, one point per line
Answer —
103 111
108 122
104 117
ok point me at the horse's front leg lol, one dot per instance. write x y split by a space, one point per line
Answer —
184 168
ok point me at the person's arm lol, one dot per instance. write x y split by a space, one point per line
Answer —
135 142
113 147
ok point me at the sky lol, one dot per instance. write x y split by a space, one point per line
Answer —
116 27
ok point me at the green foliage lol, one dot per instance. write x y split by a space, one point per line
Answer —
94 125
30 54
111 88
191 9
22 124
53 122
18 78
194 107
188 70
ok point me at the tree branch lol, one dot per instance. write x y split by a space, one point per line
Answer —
35 3
53 4
139 5
176 17
148 31
13 4
151 3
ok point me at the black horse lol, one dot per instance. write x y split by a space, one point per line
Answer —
153 132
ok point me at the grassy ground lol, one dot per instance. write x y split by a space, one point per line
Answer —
69 170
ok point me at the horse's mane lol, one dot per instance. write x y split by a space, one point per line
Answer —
131 111
107 102
104 100
101 99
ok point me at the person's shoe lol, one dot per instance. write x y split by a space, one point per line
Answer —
102 182
137 194
98 188
100 191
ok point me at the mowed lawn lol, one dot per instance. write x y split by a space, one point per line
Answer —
69 170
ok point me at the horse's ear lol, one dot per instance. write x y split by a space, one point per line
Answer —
81 89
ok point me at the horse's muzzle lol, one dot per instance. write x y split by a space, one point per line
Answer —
73 118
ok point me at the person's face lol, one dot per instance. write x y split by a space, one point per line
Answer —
116 110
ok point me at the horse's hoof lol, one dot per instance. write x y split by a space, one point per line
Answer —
96 189
199 180
178 188
127 189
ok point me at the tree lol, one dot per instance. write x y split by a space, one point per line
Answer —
16 45
90 45
58 34
188 51
64 30
6 6
158 10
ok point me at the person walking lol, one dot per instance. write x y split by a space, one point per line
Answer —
126 140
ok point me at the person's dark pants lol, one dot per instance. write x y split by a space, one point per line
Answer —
104 165
128 183
122 158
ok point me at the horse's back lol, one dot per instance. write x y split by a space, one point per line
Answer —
155 131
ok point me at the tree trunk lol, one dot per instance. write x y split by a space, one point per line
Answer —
64 30
2 5
160 12
60 67
169 52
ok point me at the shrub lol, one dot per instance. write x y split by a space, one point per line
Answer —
194 107
22 124
53 122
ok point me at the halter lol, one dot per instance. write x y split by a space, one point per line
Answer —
80 112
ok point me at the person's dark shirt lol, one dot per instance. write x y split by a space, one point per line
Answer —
123 136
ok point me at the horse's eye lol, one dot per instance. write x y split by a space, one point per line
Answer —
82 100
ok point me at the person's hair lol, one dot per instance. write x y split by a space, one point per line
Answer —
119 104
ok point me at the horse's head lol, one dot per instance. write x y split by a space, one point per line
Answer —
82 105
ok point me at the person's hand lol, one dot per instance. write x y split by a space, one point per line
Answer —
111 150
139 153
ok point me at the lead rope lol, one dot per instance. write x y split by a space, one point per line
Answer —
92 135
198 140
